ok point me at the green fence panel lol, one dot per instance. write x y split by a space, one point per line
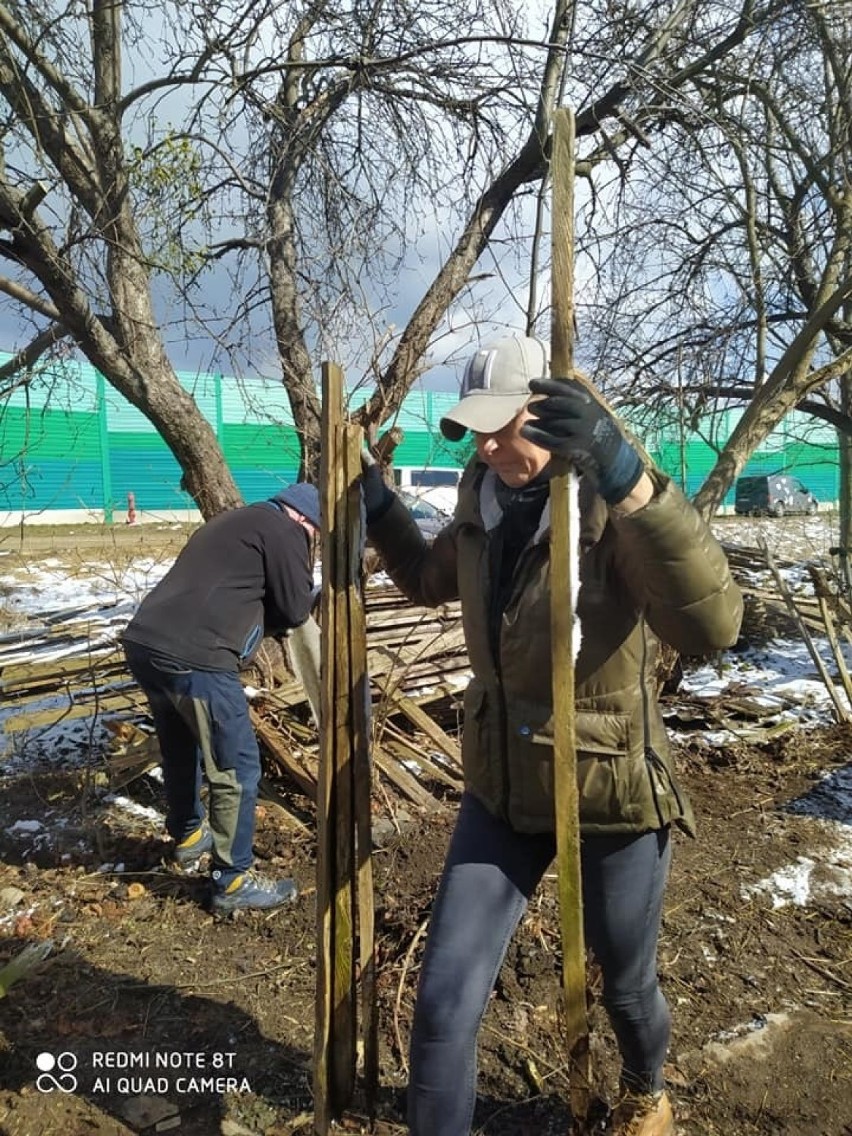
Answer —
68 440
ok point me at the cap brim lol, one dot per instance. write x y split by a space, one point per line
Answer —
483 412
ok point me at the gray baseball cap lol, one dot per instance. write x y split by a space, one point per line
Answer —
495 386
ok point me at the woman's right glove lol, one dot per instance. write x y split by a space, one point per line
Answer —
378 496
570 422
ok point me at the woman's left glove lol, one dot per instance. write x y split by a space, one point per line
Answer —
378 496
571 423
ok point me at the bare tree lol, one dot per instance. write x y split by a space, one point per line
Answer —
728 267
299 148
608 64
89 271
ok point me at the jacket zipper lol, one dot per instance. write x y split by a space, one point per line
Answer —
651 756
487 584
498 668
504 725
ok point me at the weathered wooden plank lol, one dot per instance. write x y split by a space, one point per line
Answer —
326 804
124 703
420 719
360 703
342 823
411 750
405 781
270 737
564 540
344 865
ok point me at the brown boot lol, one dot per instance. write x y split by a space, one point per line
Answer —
647 1114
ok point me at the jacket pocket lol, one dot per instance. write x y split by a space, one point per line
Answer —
251 643
611 777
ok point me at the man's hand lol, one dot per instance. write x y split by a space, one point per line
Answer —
378 496
569 422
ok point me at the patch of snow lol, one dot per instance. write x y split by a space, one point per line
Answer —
752 1039
22 826
10 917
86 584
128 805
807 881
790 884
64 745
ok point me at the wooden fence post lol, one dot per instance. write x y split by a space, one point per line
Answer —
564 545
345 939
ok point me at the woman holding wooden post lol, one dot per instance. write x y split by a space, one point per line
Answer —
649 570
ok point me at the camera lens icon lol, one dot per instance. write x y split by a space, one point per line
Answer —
63 1079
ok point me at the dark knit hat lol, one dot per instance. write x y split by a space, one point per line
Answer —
303 498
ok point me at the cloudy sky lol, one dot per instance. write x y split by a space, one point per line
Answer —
498 301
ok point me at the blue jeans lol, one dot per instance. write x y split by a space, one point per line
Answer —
489 876
202 722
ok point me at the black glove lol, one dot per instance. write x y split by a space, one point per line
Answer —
378 496
572 424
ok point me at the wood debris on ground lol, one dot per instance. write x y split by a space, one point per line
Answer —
767 611
815 609
68 666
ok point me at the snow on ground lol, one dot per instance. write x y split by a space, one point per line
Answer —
24 589
779 676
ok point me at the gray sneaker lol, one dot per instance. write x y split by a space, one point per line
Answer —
189 851
252 892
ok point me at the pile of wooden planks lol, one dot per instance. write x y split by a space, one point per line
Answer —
767 607
784 599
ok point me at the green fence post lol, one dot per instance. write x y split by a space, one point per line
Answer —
103 436
220 413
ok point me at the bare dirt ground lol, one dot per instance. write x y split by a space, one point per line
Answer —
146 996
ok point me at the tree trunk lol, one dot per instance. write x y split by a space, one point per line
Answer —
844 451
125 344
789 382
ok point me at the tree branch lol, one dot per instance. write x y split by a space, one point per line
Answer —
25 358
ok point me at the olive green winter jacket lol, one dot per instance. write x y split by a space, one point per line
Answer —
656 574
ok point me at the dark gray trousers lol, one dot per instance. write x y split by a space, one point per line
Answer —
202 720
489 876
